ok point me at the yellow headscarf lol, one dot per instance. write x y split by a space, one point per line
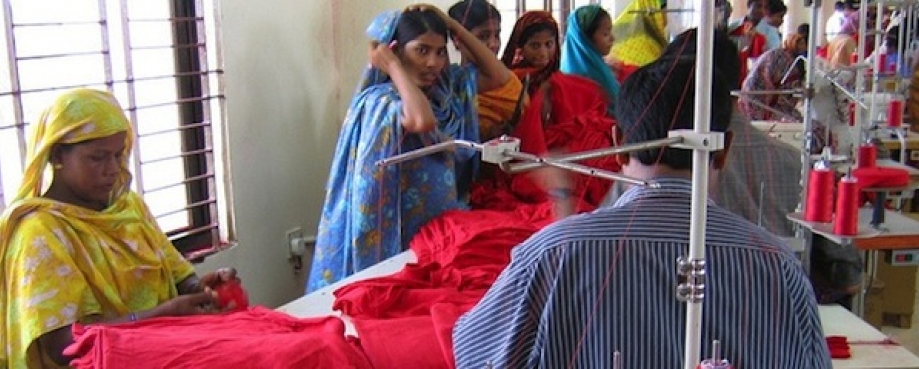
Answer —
76 116
640 37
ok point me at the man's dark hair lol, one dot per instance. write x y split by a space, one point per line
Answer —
775 7
725 54
660 97
839 6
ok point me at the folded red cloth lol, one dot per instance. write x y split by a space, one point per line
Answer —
255 338
839 347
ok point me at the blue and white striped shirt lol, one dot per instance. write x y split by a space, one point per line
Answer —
601 282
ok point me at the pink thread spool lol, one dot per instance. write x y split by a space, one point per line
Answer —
895 113
867 156
846 223
818 206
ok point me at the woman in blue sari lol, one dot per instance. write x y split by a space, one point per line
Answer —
410 97
588 38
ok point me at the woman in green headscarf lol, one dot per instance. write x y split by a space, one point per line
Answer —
588 38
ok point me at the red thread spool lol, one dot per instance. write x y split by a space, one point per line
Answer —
882 60
232 292
846 223
819 204
895 113
853 59
867 156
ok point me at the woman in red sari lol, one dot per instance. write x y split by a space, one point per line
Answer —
566 113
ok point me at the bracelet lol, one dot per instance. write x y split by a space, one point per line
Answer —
560 193
132 317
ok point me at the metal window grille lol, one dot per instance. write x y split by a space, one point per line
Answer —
160 58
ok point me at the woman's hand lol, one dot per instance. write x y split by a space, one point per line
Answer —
382 57
191 304
213 279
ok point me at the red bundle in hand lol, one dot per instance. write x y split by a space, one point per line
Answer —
232 295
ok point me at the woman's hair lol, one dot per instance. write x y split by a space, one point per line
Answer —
534 29
474 13
594 24
416 23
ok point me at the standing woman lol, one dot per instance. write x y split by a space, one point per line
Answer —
589 37
86 250
410 97
498 105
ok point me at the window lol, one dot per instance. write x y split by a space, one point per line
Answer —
159 58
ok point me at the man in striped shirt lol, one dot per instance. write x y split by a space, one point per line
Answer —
597 283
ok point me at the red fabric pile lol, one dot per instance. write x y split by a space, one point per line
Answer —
406 319
255 338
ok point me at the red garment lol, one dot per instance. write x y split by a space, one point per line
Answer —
750 46
256 338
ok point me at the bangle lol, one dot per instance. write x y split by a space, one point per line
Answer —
132 317
560 193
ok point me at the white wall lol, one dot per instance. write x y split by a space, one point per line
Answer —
291 67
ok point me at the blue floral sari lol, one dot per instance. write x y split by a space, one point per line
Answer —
371 213
581 58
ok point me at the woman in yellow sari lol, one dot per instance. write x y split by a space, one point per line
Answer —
86 250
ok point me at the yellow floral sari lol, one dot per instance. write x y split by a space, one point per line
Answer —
62 263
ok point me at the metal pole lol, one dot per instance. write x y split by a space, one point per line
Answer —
598 153
809 101
705 9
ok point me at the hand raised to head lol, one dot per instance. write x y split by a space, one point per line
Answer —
382 57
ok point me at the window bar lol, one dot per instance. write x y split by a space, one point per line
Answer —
547 5
565 6
183 154
14 80
109 81
106 45
193 230
185 181
132 96
79 53
173 46
521 7
178 101
188 207
176 129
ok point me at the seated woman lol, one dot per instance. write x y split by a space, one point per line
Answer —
775 70
410 98
497 107
87 250
588 38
